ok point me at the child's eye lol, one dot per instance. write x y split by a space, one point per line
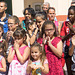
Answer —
35 52
31 52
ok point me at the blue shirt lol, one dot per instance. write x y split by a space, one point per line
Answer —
5 23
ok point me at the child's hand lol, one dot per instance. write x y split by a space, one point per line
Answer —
48 41
44 39
32 66
73 40
16 45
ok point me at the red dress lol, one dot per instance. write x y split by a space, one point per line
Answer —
55 66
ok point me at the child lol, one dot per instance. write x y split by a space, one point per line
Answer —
38 64
66 33
32 31
53 48
13 23
72 53
1 32
40 19
2 59
18 54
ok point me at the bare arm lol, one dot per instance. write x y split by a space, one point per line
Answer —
71 50
57 51
10 55
33 38
3 69
26 54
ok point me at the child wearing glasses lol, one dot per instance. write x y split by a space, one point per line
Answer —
53 47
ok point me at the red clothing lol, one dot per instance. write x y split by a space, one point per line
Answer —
55 66
65 31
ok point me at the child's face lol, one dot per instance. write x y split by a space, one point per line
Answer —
27 15
71 15
49 30
51 14
39 22
1 31
35 53
32 27
18 40
11 24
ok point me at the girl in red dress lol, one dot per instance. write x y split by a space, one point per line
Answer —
53 48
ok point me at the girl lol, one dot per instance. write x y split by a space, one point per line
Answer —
2 59
32 32
66 33
38 63
29 14
53 48
1 32
40 19
72 53
18 54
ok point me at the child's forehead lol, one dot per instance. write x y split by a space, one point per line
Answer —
39 18
11 20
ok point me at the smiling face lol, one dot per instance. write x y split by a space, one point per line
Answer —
71 15
11 24
35 53
27 15
49 30
39 21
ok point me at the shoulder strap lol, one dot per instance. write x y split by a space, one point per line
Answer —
1 58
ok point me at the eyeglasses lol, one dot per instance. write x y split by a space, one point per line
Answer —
49 29
11 24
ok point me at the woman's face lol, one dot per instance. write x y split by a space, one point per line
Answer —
27 15
71 15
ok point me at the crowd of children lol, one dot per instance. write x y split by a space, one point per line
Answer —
35 46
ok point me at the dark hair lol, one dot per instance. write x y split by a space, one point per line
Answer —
41 49
29 22
15 18
4 2
20 33
42 15
31 11
72 7
48 23
3 46
50 8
